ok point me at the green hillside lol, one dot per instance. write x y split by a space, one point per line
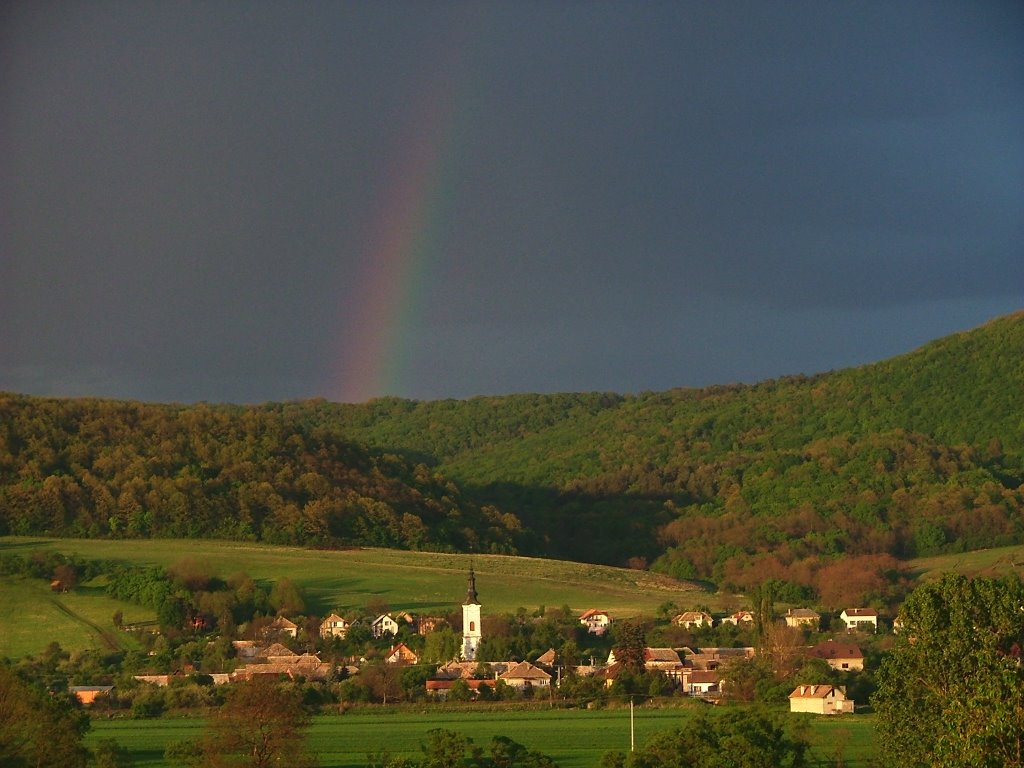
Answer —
345 580
826 481
917 455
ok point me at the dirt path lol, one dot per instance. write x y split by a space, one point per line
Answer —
109 639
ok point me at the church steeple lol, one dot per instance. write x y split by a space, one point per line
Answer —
471 630
471 596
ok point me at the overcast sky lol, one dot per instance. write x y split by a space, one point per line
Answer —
250 201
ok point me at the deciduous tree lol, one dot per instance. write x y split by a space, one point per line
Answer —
951 692
262 724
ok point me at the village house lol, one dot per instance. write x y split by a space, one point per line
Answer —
401 654
334 626
802 617
700 683
740 619
281 626
525 675
860 619
548 658
609 674
693 620
596 622
845 657
384 625
87 694
820 700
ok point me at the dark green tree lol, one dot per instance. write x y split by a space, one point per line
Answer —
951 692
740 738
444 749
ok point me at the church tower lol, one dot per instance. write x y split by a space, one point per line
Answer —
470 620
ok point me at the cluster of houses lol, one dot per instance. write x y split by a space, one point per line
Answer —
697 672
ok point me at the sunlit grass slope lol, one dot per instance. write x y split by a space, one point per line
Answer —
414 581
996 561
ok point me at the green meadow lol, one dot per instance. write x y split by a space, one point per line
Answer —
995 561
420 582
31 616
344 579
574 738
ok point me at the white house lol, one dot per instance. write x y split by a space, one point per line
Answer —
700 683
863 619
820 700
596 622
740 619
802 617
693 620
334 626
384 625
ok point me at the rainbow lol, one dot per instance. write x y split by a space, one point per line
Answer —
375 340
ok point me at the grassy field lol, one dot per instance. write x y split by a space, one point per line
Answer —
982 562
574 738
31 616
415 581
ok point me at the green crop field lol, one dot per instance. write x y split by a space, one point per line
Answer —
574 738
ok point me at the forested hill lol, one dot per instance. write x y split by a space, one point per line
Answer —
819 481
919 454
278 473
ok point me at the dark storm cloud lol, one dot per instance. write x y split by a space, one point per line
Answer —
636 197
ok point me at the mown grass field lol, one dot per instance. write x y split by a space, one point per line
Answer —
31 616
574 738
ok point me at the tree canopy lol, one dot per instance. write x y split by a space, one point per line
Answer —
951 692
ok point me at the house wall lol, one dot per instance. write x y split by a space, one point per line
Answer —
814 706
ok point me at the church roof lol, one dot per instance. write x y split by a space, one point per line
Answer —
471 596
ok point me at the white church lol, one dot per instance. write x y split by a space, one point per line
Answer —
471 634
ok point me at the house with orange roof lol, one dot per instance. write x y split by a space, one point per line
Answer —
401 654
596 622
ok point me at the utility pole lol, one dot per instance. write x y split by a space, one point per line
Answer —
631 734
